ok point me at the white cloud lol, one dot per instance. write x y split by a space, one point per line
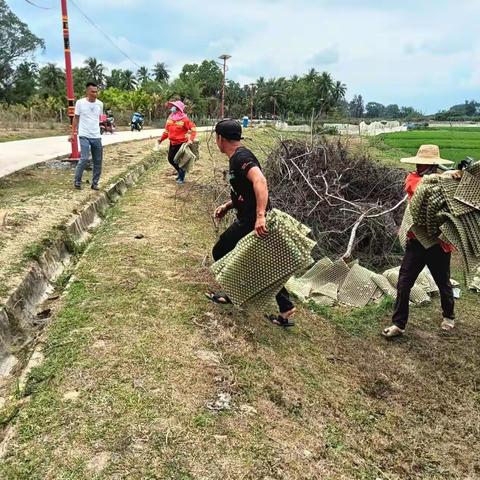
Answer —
408 52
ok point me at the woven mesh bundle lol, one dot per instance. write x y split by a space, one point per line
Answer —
255 271
444 208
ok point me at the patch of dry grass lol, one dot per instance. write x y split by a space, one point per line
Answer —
136 353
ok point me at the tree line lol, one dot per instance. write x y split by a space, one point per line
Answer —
27 85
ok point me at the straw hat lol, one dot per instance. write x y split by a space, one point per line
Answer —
427 155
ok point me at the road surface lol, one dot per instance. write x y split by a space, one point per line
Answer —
24 153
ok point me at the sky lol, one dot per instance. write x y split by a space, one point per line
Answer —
420 53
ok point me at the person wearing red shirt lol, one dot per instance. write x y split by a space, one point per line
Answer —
179 129
436 258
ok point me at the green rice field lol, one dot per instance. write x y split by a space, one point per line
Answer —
455 143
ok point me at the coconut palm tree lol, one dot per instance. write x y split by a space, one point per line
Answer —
95 70
161 72
143 75
51 80
129 81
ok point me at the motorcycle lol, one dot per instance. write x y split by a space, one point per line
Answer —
137 122
107 123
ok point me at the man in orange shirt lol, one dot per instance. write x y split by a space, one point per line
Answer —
437 258
179 129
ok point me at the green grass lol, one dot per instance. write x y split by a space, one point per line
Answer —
455 143
329 399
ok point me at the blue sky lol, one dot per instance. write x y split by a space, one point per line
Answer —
424 53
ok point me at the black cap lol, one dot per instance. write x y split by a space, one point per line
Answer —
229 129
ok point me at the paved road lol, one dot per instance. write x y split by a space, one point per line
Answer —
24 153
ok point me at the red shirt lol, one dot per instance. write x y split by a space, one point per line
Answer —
177 132
411 183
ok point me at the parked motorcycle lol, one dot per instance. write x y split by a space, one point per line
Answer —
107 123
137 122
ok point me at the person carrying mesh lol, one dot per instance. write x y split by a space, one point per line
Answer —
249 197
437 258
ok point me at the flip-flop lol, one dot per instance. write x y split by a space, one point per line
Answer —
280 321
392 331
219 297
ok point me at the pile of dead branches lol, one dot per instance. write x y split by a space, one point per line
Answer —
353 204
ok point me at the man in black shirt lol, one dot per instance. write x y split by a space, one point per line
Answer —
249 197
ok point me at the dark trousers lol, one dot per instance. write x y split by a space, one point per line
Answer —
227 242
172 151
414 261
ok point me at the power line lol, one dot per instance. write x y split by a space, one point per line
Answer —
38 6
103 33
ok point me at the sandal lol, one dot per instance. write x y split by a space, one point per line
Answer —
447 325
280 321
219 297
392 331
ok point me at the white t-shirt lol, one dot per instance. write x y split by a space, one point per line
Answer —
89 122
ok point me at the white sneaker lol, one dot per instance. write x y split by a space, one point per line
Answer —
448 324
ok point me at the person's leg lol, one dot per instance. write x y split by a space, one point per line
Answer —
438 263
226 243
172 151
413 263
285 305
82 163
230 237
97 159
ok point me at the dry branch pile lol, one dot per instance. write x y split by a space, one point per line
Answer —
352 203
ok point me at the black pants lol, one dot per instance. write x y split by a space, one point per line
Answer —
414 261
227 242
172 151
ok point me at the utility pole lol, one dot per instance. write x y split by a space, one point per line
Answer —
224 58
69 79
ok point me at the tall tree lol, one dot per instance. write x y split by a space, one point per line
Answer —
25 82
129 81
143 75
115 79
161 73
95 70
356 106
17 42
374 110
51 81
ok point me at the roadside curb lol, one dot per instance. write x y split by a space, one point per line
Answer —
18 316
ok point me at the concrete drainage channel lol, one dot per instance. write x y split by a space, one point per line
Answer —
25 311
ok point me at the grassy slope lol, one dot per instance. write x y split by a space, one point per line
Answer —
455 143
137 342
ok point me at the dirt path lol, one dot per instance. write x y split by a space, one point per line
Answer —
144 379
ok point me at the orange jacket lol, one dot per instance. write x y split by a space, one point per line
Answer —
411 183
177 132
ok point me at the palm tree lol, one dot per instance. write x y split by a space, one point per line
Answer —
324 91
129 82
143 75
338 91
271 93
96 71
161 72
51 80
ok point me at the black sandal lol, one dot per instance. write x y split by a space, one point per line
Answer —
218 297
280 321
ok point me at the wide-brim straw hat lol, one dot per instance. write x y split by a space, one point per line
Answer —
427 155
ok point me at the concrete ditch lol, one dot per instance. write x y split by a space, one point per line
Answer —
21 316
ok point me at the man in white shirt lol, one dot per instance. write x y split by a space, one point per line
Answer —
87 120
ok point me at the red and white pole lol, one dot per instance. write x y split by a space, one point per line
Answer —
69 79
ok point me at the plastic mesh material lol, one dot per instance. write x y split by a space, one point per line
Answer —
358 288
254 272
469 190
